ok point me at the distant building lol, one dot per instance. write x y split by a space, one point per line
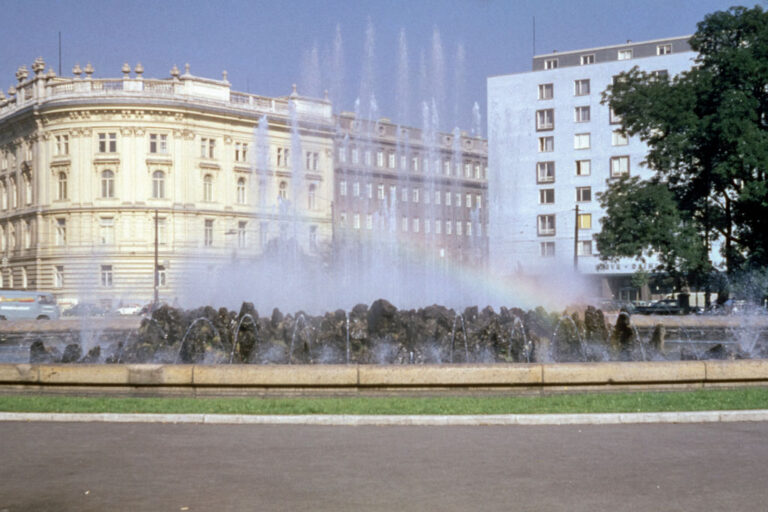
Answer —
553 146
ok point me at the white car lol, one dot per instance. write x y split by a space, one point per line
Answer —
133 309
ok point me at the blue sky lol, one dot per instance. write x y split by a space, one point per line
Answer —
267 45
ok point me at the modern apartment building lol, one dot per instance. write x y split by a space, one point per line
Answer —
554 147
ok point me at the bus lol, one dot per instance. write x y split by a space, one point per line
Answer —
24 305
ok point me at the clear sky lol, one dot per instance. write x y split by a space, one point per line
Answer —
268 45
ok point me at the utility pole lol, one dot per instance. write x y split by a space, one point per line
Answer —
576 241
157 277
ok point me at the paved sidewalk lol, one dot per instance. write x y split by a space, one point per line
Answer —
400 420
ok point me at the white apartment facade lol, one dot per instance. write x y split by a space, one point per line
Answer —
554 147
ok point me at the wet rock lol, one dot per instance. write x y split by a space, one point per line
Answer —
72 353
595 329
658 338
38 353
623 338
277 318
381 316
93 355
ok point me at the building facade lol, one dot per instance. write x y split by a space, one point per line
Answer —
89 167
554 147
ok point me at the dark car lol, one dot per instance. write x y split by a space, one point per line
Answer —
85 309
662 307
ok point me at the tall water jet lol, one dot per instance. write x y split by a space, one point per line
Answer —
438 73
336 85
311 78
368 76
402 88
477 128
459 79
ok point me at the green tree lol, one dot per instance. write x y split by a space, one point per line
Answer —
707 134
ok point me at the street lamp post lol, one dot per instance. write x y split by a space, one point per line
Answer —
157 274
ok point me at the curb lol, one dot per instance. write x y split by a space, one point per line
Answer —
399 420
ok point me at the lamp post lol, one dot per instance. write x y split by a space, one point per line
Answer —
576 241
157 272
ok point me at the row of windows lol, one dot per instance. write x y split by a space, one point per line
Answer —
584 248
624 54
545 118
619 166
9 198
545 224
388 160
547 195
417 225
581 141
413 195
581 87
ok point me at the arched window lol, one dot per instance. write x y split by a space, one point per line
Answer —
27 233
4 194
24 279
14 193
208 188
282 192
311 197
62 186
3 239
158 185
241 191
107 184
11 238
27 189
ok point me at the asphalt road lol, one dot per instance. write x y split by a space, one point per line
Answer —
158 467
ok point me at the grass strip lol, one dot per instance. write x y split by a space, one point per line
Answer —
700 400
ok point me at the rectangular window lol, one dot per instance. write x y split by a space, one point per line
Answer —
392 193
162 276
369 222
438 227
438 195
61 232
585 221
427 226
58 276
415 227
545 172
583 194
107 230
619 139
660 74
467 170
208 150
415 195
581 87
547 249
457 201
242 234
458 227
581 114
550 64
391 160
404 194
663 49
356 189
546 144
62 146
587 59
619 166
342 155
546 225
106 276
369 190
447 167
355 156
468 200
342 188
380 159
625 54
368 160
447 199
380 192
547 196
404 224
158 143
583 167
208 233
545 119
415 164
584 248
546 91
448 227
108 142
581 141
479 201
613 117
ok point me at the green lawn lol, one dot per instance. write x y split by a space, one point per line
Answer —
746 398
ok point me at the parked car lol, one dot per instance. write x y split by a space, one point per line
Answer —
131 309
661 307
85 309
21 305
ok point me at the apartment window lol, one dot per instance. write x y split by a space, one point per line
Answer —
545 172
162 276
108 142
581 87
584 248
207 188
619 139
241 152
404 194
208 148
158 185
415 225
107 184
379 159
581 141
356 221
550 64
479 201
619 166
26 234
208 233
355 156
3 239
368 161
391 160
282 191
242 234
447 199
613 117
380 192
158 143
369 190
438 227
62 145
447 167
342 154
467 170
583 167
61 232
427 226
312 197
660 74
241 195
403 162
58 276
468 230
343 188
546 91
545 119
583 194
448 227
438 195
581 114
312 160
547 196
457 201
585 221
468 200
162 231
663 49
547 249
546 225
61 190
415 195
625 54
587 59
458 228
356 189
107 230
415 164
369 222
392 193
546 144
106 276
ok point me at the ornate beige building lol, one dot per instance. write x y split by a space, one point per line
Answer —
87 164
